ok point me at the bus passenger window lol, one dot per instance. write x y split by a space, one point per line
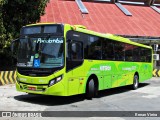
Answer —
94 48
76 51
119 51
108 49
128 52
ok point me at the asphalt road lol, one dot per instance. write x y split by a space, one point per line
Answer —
146 98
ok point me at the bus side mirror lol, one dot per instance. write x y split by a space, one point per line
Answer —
14 47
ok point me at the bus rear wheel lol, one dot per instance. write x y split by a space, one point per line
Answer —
135 82
91 89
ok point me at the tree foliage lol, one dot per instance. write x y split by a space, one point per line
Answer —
2 29
17 13
13 15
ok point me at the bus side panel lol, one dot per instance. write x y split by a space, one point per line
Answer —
109 74
134 67
78 77
108 69
146 72
93 68
122 73
126 72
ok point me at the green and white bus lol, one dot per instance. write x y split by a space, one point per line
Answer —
65 60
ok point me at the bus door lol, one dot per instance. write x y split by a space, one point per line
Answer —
73 66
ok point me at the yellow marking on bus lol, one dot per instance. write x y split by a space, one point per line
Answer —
121 81
114 82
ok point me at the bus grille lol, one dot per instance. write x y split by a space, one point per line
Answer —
35 72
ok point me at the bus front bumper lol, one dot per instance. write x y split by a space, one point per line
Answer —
56 89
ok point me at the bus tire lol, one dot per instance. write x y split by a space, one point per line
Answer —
135 82
90 89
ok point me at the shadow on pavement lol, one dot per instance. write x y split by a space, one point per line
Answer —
49 100
119 90
60 100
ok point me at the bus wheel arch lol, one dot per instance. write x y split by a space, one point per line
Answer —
92 86
135 81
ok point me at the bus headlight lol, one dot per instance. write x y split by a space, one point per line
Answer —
55 80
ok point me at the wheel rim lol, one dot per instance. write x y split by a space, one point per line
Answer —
91 89
136 82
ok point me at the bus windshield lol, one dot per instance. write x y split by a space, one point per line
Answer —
41 52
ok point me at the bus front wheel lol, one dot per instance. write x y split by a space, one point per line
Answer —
135 82
91 89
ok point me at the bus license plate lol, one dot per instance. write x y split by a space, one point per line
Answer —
32 88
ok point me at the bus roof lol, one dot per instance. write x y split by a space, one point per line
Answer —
83 29
36 24
107 35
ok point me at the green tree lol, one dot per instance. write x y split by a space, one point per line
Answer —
17 13
13 15
2 29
